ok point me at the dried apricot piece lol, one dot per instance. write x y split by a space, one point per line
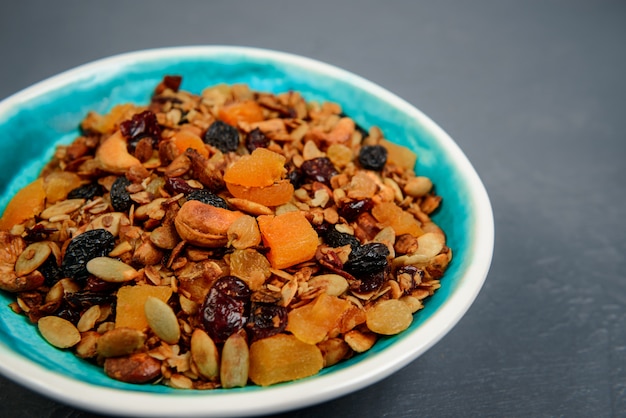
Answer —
260 169
27 203
399 155
131 301
290 238
246 111
274 195
282 358
311 323
389 214
186 139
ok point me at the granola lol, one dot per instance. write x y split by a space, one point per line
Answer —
221 239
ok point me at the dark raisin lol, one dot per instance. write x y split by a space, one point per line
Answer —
226 308
412 273
256 139
222 136
373 157
86 191
266 320
140 126
84 247
295 176
318 169
38 233
84 299
351 210
50 270
120 198
69 314
335 239
172 82
206 196
95 284
175 185
367 259
369 283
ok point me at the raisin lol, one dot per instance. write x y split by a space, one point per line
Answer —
120 198
373 157
86 191
266 320
206 196
84 247
319 169
175 185
416 275
50 270
140 126
256 139
84 299
351 210
172 82
222 136
226 308
336 239
367 259
38 233
295 176
369 283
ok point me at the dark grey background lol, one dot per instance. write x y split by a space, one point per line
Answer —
533 92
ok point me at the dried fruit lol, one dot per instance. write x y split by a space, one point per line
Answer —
282 358
206 196
319 169
27 203
313 322
226 308
86 191
222 136
290 238
266 320
373 157
84 247
367 259
131 300
256 139
389 317
120 198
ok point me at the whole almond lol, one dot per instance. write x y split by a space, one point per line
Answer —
136 368
204 353
59 332
162 320
120 342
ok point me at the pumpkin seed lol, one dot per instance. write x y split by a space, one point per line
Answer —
162 320
235 362
59 332
205 355
88 319
120 342
111 270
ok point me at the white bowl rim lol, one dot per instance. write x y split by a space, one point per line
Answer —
297 394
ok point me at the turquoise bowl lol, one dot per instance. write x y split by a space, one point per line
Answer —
35 120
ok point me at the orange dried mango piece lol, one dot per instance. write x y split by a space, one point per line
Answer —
389 214
262 168
27 203
186 139
290 238
399 155
247 111
282 358
313 322
130 304
273 195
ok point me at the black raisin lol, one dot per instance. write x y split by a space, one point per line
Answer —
222 136
256 139
38 233
318 169
335 239
86 191
50 270
84 247
206 196
84 299
367 259
266 320
294 175
226 308
140 126
351 210
373 157
120 198
369 283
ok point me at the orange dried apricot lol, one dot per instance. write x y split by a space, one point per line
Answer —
27 203
399 155
260 169
273 195
184 139
282 358
313 322
130 310
290 238
389 214
246 111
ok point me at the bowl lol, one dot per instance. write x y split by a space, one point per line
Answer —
35 120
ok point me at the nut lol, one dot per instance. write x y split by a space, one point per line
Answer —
235 362
136 368
204 225
32 258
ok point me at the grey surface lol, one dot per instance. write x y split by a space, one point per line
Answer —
533 92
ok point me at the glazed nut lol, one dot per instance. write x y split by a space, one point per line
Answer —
111 270
59 332
136 368
418 186
120 342
204 225
162 320
205 355
32 258
113 156
87 347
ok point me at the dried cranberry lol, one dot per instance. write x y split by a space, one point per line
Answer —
142 125
84 247
226 308
222 136
172 82
266 320
351 210
208 197
120 198
176 185
367 259
86 191
294 175
256 139
318 169
373 157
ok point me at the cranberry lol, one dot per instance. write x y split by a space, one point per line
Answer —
226 308
319 169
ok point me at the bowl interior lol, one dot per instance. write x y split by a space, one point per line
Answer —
34 121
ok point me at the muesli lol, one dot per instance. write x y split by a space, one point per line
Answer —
223 239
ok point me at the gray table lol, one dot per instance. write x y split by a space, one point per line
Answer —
534 92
